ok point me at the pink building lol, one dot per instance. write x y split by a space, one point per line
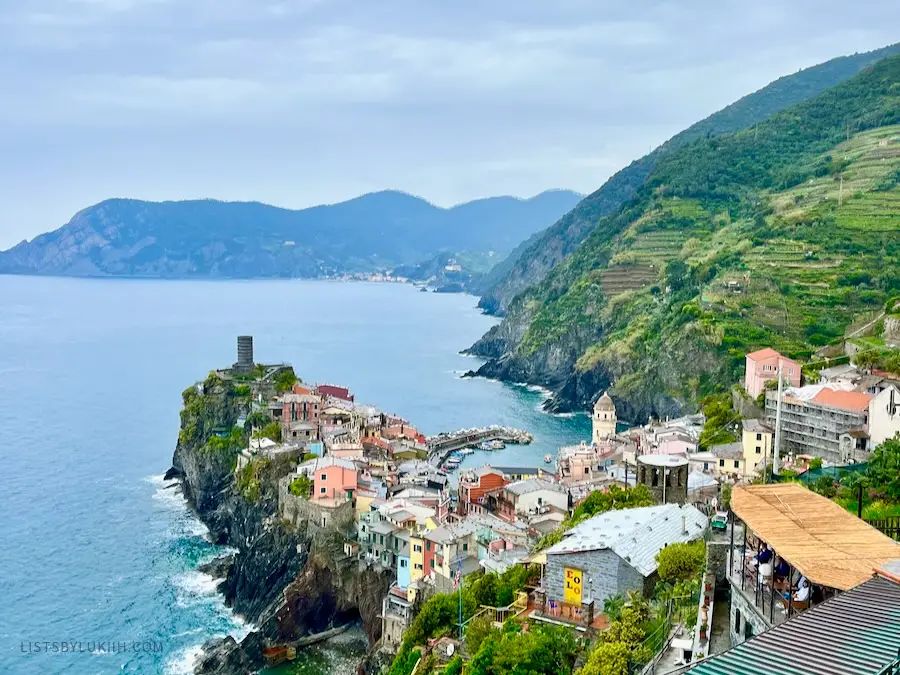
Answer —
333 479
762 367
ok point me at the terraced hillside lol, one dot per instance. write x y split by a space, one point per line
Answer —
782 235
533 260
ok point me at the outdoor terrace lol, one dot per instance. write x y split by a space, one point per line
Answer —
820 542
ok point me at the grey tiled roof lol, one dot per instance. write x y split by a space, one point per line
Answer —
635 535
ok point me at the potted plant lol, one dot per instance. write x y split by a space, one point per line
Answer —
703 629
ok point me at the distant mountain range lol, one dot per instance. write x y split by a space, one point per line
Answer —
208 238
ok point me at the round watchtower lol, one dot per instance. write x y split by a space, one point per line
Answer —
666 476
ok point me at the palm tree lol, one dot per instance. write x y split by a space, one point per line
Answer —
613 606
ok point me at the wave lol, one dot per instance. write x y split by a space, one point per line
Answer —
183 662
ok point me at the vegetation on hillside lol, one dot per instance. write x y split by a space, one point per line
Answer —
531 261
779 235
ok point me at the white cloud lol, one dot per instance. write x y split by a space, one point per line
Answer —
303 101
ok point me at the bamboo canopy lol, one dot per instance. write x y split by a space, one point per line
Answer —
829 546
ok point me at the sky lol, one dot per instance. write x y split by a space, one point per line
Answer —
303 102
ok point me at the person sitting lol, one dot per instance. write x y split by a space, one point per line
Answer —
800 599
764 555
781 572
782 569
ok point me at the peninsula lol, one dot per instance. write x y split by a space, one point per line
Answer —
608 556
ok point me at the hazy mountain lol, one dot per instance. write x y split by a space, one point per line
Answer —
207 238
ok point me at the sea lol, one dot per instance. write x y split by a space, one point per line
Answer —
98 555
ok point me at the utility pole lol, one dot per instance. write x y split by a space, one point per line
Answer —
776 455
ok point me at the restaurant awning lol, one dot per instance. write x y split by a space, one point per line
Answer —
829 545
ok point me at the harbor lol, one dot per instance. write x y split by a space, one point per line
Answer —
447 450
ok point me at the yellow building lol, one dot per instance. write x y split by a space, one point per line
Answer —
758 441
603 422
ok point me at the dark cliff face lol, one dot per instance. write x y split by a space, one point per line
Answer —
286 581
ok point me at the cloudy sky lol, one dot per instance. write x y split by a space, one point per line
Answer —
300 102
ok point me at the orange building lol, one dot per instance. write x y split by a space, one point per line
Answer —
473 486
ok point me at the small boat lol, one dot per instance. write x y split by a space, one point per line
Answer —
493 445
548 459
467 451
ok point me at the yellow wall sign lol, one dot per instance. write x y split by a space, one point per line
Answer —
572 595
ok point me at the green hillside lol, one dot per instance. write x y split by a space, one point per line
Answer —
782 234
532 261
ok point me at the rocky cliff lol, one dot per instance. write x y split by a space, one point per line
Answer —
286 580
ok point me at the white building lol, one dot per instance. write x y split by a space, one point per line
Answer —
535 495
884 416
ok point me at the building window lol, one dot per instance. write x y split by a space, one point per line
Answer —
748 630
737 621
402 562
759 437
417 548
465 547
706 466
758 450
418 566
324 477
321 491
427 545
737 464
722 462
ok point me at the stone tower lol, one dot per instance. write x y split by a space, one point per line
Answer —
244 362
603 422
666 476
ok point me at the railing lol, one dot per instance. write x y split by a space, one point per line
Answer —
889 526
892 668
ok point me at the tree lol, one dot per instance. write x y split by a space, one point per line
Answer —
613 606
272 431
609 658
477 631
681 562
725 497
301 487
883 471
284 380
454 666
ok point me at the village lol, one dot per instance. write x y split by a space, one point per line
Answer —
403 506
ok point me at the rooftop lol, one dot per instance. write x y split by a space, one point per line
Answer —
854 633
829 545
845 400
523 487
662 460
757 426
728 450
767 353
635 535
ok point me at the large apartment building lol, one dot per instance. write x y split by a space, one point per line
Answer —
823 422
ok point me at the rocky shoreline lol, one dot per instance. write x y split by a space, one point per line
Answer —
287 582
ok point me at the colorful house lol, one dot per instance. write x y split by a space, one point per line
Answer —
473 486
333 479
762 366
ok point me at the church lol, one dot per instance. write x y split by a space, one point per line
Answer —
603 422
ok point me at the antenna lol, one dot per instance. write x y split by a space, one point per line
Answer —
776 457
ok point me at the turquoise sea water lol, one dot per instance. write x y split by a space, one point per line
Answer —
94 549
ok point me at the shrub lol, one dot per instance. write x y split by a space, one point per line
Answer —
301 487
680 562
